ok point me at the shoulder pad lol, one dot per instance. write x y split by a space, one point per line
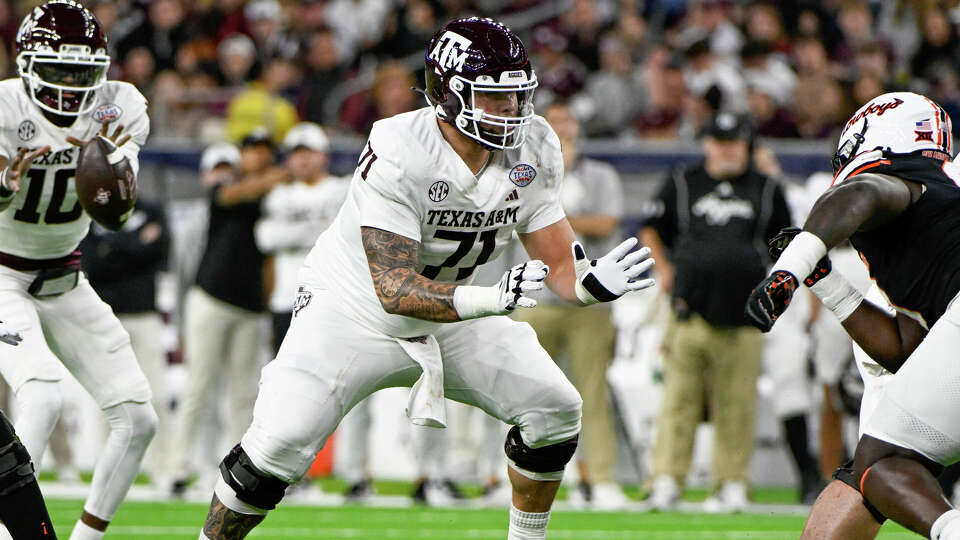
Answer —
859 164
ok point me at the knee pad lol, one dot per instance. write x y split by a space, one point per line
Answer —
16 469
543 464
846 475
252 486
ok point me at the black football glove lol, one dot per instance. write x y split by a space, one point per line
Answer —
778 243
770 299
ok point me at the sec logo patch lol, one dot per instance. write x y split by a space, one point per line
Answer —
107 113
522 174
27 130
438 191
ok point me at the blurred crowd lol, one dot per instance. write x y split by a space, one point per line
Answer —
215 68
253 81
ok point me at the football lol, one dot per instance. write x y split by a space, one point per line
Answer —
106 185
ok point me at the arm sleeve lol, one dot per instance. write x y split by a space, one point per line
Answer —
385 199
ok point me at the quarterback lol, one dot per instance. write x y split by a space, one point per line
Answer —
385 296
896 197
60 100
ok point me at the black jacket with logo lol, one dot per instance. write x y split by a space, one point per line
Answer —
716 235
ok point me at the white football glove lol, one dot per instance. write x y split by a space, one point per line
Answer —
611 276
9 335
472 302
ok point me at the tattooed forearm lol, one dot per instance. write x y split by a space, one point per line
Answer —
225 524
393 261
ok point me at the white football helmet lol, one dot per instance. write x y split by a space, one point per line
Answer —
899 122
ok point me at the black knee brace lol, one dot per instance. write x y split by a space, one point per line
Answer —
252 486
546 459
845 474
16 469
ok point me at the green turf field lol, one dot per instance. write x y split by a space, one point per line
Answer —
180 520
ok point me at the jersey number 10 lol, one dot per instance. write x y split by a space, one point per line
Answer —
54 214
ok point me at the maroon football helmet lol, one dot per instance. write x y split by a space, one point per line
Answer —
473 55
62 57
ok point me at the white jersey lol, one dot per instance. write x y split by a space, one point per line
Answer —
294 215
45 220
411 182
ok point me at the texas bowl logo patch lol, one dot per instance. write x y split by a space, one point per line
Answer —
522 174
107 113
27 130
438 191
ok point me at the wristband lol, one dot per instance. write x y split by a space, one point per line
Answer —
5 192
801 256
583 294
838 295
472 301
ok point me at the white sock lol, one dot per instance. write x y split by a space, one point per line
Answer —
202 536
947 526
82 531
527 525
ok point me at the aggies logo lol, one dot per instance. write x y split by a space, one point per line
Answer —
451 51
303 299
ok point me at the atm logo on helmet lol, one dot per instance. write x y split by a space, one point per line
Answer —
875 108
451 51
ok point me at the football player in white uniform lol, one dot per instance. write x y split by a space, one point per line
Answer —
61 99
385 296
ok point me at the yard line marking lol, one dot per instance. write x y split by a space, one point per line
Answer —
584 534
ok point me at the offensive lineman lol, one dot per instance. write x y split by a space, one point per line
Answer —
60 100
437 192
896 197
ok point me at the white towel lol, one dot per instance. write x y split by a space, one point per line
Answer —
426 405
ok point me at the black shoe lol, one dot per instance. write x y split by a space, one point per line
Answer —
810 487
420 492
452 489
359 490
179 488
586 490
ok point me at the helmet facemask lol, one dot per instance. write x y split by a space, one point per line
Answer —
491 130
849 149
63 83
